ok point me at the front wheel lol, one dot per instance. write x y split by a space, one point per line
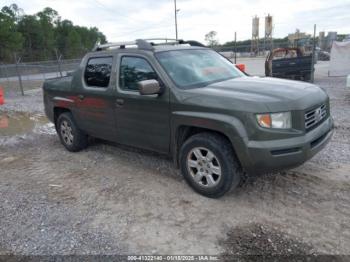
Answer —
209 165
70 135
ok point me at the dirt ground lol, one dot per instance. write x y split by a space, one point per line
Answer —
111 199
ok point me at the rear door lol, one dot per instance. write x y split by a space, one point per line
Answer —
95 98
142 121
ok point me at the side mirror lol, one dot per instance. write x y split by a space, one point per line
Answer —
149 87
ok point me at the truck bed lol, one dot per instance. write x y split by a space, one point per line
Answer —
295 68
59 83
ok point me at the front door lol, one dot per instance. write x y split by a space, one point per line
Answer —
142 121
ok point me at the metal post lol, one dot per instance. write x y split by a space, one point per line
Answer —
235 47
44 74
7 76
1 74
25 71
176 19
271 45
59 57
312 78
18 60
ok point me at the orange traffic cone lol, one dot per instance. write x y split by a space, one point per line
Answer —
2 97
241 67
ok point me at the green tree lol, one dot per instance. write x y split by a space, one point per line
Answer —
64 38
34 38
74 41
48 19
40 35
89 37
10 39
210 38
13 11
73 44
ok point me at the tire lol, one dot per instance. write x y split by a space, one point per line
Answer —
211 178
70 135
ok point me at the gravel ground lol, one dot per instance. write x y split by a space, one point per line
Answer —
258 240
111 199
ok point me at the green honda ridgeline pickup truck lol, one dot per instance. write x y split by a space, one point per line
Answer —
182 99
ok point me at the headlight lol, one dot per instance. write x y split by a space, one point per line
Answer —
275 120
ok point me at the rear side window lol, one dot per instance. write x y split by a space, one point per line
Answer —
98 72
133 70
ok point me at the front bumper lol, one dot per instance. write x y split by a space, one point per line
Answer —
274 155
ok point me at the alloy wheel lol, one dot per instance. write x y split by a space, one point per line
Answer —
204 167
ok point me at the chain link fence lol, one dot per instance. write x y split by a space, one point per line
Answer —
20 77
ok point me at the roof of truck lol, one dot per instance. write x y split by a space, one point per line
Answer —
177 47
154 45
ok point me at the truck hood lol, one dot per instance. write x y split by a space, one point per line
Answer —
275 94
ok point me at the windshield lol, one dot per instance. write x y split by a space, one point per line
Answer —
197 68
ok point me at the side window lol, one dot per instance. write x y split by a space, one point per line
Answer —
133 70
98 72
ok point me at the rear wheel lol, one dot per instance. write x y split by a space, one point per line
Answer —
209 165
70 135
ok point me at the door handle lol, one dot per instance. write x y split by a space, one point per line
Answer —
81 97
119 102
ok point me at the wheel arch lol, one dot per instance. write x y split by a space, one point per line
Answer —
57 111
229 127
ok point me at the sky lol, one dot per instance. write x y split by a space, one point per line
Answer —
122 20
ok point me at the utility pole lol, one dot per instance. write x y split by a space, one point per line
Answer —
176 10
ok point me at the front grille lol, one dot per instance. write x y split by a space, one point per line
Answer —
315 116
